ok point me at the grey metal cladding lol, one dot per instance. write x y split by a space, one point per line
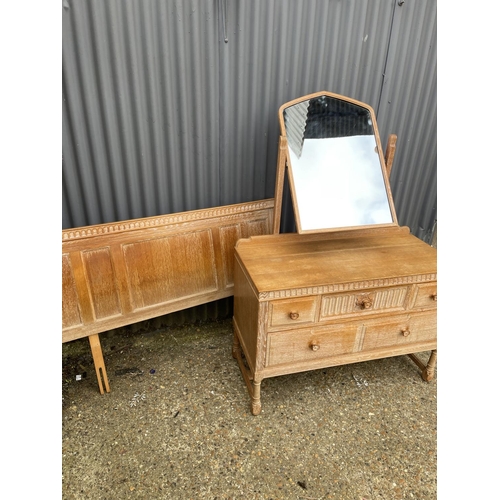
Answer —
140 82
171 105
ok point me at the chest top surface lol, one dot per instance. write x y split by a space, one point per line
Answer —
287 261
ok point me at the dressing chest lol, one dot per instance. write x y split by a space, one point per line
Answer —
309 302
351 285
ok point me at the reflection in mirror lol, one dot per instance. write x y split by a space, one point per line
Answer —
334 165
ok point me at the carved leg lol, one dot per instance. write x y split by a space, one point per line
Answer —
428 373
427 370
100 368
252 383
255 394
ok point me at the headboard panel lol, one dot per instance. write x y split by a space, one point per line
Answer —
129 271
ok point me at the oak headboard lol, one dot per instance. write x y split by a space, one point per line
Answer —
121 273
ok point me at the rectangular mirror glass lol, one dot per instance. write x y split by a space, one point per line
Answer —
335 164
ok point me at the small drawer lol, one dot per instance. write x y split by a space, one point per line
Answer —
307 345
426 296
292 312
366 301
399 330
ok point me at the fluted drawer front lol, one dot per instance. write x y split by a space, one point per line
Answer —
399 330
292 346
384 299
292 311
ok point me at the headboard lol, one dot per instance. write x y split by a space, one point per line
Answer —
129 271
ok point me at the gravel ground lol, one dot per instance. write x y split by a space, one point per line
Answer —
177 424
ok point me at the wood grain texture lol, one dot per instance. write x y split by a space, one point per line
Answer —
117 274
339 260
125 272
305 302
70 312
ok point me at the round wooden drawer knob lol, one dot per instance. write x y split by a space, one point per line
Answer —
294 315
405 331
364 303
314 345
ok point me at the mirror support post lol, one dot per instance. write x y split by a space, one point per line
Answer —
390 151
280 180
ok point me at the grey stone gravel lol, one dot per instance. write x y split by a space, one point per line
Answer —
177 424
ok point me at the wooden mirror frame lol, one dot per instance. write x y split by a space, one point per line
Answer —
283 163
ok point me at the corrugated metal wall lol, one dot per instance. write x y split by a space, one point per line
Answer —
171 105
141 107
408 108
280 50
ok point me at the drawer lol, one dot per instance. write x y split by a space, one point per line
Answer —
292 311
364 302
307 344
426 296
399 330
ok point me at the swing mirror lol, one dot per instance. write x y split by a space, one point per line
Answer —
336 168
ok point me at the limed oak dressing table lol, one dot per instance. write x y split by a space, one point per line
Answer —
351 285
